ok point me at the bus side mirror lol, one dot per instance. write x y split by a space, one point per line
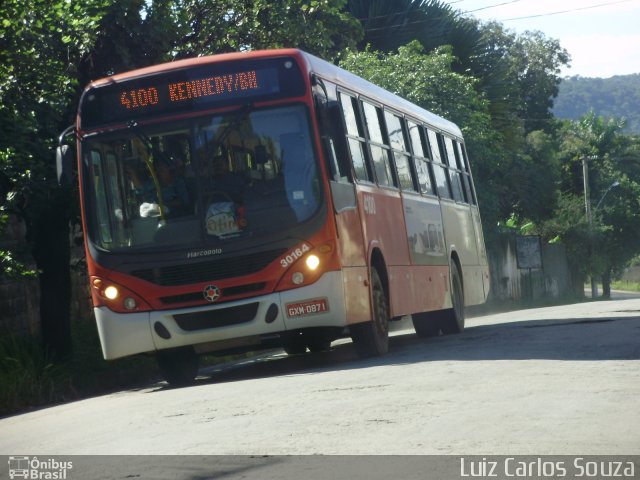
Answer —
64 164
64 158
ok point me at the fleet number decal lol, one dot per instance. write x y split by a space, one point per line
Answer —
308 307
369 205
294 255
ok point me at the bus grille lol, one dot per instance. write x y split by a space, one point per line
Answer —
217 318
226 292
208 271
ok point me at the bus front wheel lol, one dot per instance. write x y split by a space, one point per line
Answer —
179 366
371 339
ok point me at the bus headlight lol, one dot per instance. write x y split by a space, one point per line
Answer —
111 292
312 262
116 297
297 278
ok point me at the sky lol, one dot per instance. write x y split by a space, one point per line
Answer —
602 36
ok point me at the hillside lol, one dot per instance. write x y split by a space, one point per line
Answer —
617 96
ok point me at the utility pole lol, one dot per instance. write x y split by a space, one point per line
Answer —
587 210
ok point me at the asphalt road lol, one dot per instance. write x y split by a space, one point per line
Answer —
558 381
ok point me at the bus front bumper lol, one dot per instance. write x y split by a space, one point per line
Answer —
225 325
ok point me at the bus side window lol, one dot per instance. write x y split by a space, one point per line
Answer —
439 169
400 150
420 158
355 137
454 170
379 149
466 174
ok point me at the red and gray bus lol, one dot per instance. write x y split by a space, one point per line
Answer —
269 199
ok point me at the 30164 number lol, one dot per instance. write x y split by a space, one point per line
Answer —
294 255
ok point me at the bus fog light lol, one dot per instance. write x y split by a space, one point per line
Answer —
130 303
312 262
111 292
297 278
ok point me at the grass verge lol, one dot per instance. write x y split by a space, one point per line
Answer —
626 285
30 378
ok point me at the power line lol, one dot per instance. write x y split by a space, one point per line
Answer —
563 11
432 18
492 6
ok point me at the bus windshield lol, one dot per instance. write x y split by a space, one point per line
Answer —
201 181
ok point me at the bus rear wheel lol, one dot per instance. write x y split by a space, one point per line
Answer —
371 339
453 319
179 366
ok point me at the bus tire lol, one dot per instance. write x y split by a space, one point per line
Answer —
179 366
295 345
453 318
371 339
426 324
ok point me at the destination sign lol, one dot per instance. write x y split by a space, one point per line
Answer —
196 88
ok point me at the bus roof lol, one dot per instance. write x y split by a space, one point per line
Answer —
315 65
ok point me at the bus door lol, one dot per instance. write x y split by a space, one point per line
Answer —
335 125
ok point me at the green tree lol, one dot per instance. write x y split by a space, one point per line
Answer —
537 61
611 239
38 42
522 72
535 177
137 33
321 27
390 25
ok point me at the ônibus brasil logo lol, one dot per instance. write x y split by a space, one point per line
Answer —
211 293
32 468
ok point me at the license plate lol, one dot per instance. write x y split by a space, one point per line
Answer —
308 307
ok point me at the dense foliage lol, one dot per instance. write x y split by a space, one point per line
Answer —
613 97
497 85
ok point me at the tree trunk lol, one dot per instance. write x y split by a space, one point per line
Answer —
606 283
51 251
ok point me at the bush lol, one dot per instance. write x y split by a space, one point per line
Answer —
28 374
